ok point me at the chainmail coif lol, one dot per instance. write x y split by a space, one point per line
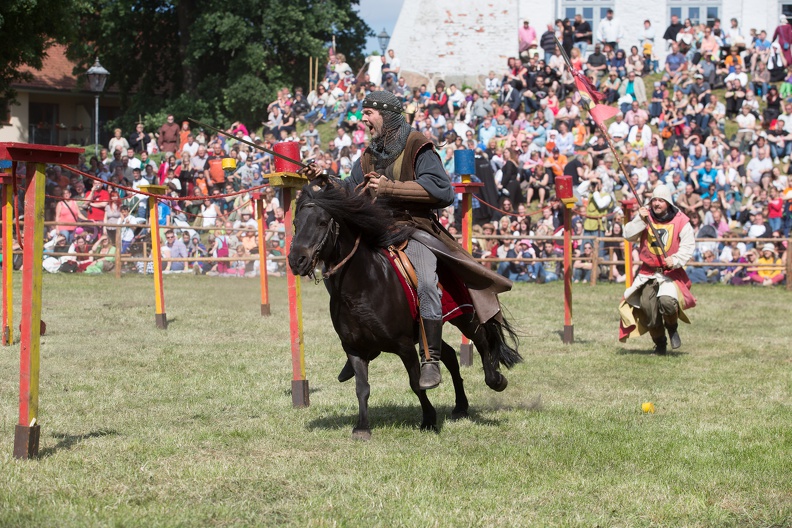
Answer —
391 142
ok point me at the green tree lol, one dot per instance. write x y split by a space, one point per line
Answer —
214 60
27 29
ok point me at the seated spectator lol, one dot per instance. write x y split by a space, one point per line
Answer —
770 269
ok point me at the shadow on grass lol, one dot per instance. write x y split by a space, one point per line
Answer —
396 416
576 341
67 441
648 352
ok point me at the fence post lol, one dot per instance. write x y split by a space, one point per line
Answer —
595 262
789 264
118 252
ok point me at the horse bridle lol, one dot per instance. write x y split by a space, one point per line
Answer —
333 228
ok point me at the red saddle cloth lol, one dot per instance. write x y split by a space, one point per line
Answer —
455 299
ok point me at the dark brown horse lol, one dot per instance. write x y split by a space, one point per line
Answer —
368 307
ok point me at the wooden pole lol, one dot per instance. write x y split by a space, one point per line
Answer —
160 318
789 264
262 247
118 252
8 257
465 166
595 262
299 384
569 328
27 429
627 206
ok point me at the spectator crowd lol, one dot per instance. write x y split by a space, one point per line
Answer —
712 120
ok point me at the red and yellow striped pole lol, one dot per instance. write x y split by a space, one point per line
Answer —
27 429
26 433
261 217
160 318
286 178
565 193
8 256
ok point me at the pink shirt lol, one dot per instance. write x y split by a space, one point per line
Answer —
527 37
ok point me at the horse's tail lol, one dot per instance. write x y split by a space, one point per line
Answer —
503 341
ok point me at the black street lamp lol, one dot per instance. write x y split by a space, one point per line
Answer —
97 77
383 38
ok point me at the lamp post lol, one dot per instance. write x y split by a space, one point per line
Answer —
383 38
97 77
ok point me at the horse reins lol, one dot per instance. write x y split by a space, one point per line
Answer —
333 229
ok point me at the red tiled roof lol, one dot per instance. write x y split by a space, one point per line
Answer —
55 74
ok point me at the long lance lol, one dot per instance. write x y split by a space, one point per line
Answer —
249 143
613 150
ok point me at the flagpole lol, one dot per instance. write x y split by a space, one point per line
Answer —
604 132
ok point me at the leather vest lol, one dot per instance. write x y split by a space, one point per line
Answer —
403 168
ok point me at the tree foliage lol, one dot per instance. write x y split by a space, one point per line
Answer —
214 60
27 28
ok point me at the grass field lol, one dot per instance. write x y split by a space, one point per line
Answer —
194 426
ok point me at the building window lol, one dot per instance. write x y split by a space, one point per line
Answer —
592 12
5 112
43 123
697 11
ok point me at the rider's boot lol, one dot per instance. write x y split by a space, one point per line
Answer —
430 367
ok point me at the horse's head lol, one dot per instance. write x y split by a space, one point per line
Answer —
315 234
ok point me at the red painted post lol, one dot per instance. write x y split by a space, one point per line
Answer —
27 431
261 216
286 178
565 194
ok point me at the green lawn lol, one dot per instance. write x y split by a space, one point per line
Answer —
194 426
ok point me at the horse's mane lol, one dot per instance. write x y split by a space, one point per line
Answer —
355 211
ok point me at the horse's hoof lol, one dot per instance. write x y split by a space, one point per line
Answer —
459 414
361 434
431 428
499 384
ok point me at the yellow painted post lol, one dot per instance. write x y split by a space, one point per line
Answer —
160 317
27 431
8 259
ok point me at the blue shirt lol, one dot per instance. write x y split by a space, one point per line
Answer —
675 61
163 211
706 178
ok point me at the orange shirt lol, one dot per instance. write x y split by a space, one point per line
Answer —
557 164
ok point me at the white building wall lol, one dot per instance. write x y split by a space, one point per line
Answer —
461 40
17 130
456 40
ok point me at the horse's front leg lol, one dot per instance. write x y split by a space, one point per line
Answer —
476 333
449 358
362 430
410 359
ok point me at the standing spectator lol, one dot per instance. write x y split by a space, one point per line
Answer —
582 34
672 30
610 31
118 143
169 136
547 42
647 34
527 39
784 35
139 140
393 68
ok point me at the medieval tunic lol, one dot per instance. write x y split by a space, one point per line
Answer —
420 163
679 242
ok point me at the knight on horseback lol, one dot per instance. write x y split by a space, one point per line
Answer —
402 170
